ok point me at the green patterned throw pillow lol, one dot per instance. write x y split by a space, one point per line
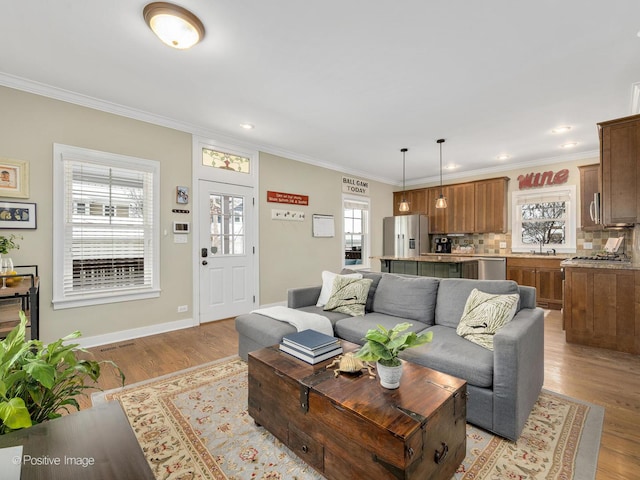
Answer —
484 314
349 295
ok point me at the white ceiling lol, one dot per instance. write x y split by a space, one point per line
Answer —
348 83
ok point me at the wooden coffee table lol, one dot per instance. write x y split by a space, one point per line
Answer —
350 427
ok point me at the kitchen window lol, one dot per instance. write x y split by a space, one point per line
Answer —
356 232
544 220
106 232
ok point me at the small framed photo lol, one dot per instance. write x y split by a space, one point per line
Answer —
14 178
17 215
182 195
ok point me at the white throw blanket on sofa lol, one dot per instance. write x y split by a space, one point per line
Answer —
299 319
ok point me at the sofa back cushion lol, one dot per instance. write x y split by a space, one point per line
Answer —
413 298
453 294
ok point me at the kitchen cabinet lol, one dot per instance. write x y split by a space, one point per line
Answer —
472 207
589 186
491 205
417 201
620 171
601 309
543 273
460 209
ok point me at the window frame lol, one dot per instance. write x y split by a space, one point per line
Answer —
62 300
570 223
366 233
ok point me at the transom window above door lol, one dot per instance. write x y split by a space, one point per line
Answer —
225 161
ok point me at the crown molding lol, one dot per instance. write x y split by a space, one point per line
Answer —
506 168
68 96
37 88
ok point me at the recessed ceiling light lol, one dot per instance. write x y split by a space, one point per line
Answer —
451 166
569 145
503 156
561 129
247 126
174 25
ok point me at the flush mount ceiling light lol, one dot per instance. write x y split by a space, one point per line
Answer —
174 25
441 202
569 145
503 156
404 205
561 129
247 126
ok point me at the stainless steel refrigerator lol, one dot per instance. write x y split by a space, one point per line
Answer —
406 235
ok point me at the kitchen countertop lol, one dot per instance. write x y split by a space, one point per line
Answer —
428 257
606 264
435 258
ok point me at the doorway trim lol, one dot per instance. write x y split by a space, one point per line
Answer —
201 172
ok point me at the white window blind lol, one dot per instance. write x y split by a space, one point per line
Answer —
107 235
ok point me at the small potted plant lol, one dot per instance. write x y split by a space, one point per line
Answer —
9 243
38 382
383 346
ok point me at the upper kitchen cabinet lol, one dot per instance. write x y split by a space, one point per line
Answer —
619 157
417 201
589 189
437 216
491 205
461 208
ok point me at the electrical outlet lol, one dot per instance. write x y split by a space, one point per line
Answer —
588 246
503 244
183 308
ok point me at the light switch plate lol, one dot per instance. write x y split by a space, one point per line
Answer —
588 246
503 244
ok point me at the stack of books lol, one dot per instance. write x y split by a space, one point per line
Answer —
311 346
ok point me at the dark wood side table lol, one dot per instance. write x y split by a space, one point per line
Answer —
96 443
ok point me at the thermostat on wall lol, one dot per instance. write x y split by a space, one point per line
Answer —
180 227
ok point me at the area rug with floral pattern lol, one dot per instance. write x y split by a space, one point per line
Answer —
194 425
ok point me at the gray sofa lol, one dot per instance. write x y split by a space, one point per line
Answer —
502 384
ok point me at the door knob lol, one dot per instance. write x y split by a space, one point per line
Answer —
204 262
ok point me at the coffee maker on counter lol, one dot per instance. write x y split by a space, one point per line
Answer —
443 245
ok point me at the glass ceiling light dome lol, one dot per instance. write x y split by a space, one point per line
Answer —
174 25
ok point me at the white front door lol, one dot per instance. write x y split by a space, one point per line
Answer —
227 251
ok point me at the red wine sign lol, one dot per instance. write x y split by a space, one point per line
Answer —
534 180
290 198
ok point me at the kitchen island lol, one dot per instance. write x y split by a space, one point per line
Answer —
601 307
441 266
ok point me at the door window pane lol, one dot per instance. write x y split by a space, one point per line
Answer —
227 224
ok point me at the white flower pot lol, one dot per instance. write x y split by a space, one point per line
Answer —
389 376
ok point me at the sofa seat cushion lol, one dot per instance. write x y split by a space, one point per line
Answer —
453 294
332 316
353 329
452 354
411 298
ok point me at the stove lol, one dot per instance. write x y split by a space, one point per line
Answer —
604 257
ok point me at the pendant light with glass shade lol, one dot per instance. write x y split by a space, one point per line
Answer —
404 205
441 202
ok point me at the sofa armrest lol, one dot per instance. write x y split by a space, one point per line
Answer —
303 297
518 370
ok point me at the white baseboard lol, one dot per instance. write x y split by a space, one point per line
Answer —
134 333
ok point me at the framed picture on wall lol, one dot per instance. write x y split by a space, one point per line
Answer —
14 178
182 195
17 215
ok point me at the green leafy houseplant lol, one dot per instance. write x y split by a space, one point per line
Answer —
383 346
9 243
38 381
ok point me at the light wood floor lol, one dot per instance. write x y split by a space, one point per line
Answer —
603 377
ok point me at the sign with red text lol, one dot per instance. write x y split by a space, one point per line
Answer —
542 179
290 198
